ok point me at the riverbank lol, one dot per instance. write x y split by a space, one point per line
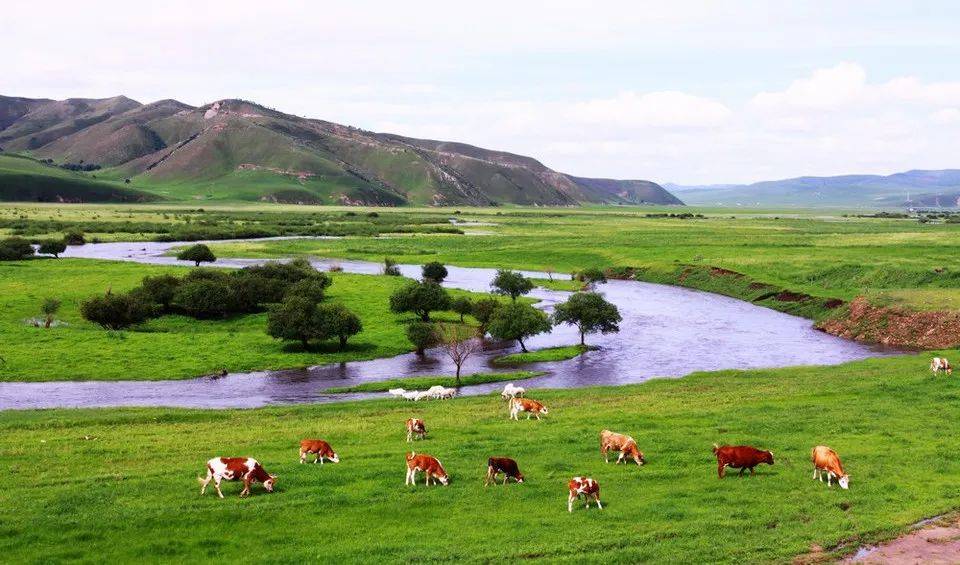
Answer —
91 462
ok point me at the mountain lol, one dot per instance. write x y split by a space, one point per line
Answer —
906 189
239 150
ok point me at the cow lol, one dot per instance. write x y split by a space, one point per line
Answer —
415 427
626 445
435 391
246 469
430 466
511 391
319 447
447 393
740 457
585 487
423 395
410 395
505 465
825 460
531 407
397 392
939 364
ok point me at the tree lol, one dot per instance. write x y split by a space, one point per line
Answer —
458 344
390 267
160 289
461 305
206 298
421 298
511 283
590 313
482 312
312 288
550 270
49 308
54 248
518 321
198 253
14 249
335 320
295 319
74 238
591 276
434 271
116 311
422 335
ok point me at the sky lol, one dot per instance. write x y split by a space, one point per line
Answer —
681 91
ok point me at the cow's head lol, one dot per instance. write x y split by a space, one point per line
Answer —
768 457
519 477
444 479
543 410
268 484
335 458
844 482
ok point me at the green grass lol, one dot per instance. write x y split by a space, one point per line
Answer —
118 485
422 383
559 284
541 355
23 178
170 347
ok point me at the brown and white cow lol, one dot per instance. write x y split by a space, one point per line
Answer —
416 428
319 447
531 407
940 364
429 465
585 487
826 460
246 469
740 457
626 445
505 465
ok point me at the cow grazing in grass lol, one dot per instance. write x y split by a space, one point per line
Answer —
505 465
429 465
511 391
447 393
826 461
585 487
397 392
410 395
626 445
531 407
244 469
940 364
740 457
416 428
319 447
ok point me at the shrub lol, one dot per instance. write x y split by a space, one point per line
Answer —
160 289
461 305
294 319
511 283
483 310
54 248
198 253
14 249
421 298
518 321
312 288
390 267
206 298
422 335
74 238
49 308
336 320
590 276
434 271
116 311
589 312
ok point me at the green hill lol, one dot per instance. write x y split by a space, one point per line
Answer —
26 179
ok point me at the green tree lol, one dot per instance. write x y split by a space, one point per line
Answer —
74 238
160 289
336 320
518 321
49 308
206 298
511 283
116 311
313 288
461 305
14 249
390 267
482 312
590 313
295 319
198 253
54 248
422 335
421 298
591 276
434 271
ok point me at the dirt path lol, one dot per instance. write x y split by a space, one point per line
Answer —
935 542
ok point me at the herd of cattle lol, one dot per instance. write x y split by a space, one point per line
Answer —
743 457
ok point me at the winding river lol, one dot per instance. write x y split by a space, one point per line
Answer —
666 332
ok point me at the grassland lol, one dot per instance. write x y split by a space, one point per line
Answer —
119 484
423 383
542 355
170 347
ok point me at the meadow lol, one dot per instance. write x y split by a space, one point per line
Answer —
119 484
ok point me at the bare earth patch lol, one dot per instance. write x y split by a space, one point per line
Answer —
935 542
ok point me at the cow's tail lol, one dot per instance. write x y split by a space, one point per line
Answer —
411 455
200 479
716 448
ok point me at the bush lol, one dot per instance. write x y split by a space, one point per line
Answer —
434 271
160 289
511 283
312 289
518 321
198 253
592 275
461 305
390 267
482 311
336 321
116 311
54 248
14 249
74 238
422 335
206 298
49 308
421 298
294 319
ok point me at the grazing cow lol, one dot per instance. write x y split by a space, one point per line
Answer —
585 487
423 394
740 457
397 392
435 391
415 427
429 465
321 448
531 407
939 364
447 393
410 395
626 445
505 465
825 460
511 391
244 469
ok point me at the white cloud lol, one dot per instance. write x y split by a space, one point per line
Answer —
825 89
655 109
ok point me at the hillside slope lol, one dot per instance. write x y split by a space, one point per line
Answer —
239 150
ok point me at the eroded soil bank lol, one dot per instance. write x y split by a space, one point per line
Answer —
893 326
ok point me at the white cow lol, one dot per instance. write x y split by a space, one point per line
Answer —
939 364
411 395
435 391
511 391
423 395
397 392
447 393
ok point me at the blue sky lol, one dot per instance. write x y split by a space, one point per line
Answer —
689 92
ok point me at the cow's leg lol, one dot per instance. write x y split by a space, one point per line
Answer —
409 436
596 497
603 451
814 472
570 502
505 477
216 485
205 482
407 481
742 469
319 459
751 471
247 480
720 467
303 456
829 479
620 458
